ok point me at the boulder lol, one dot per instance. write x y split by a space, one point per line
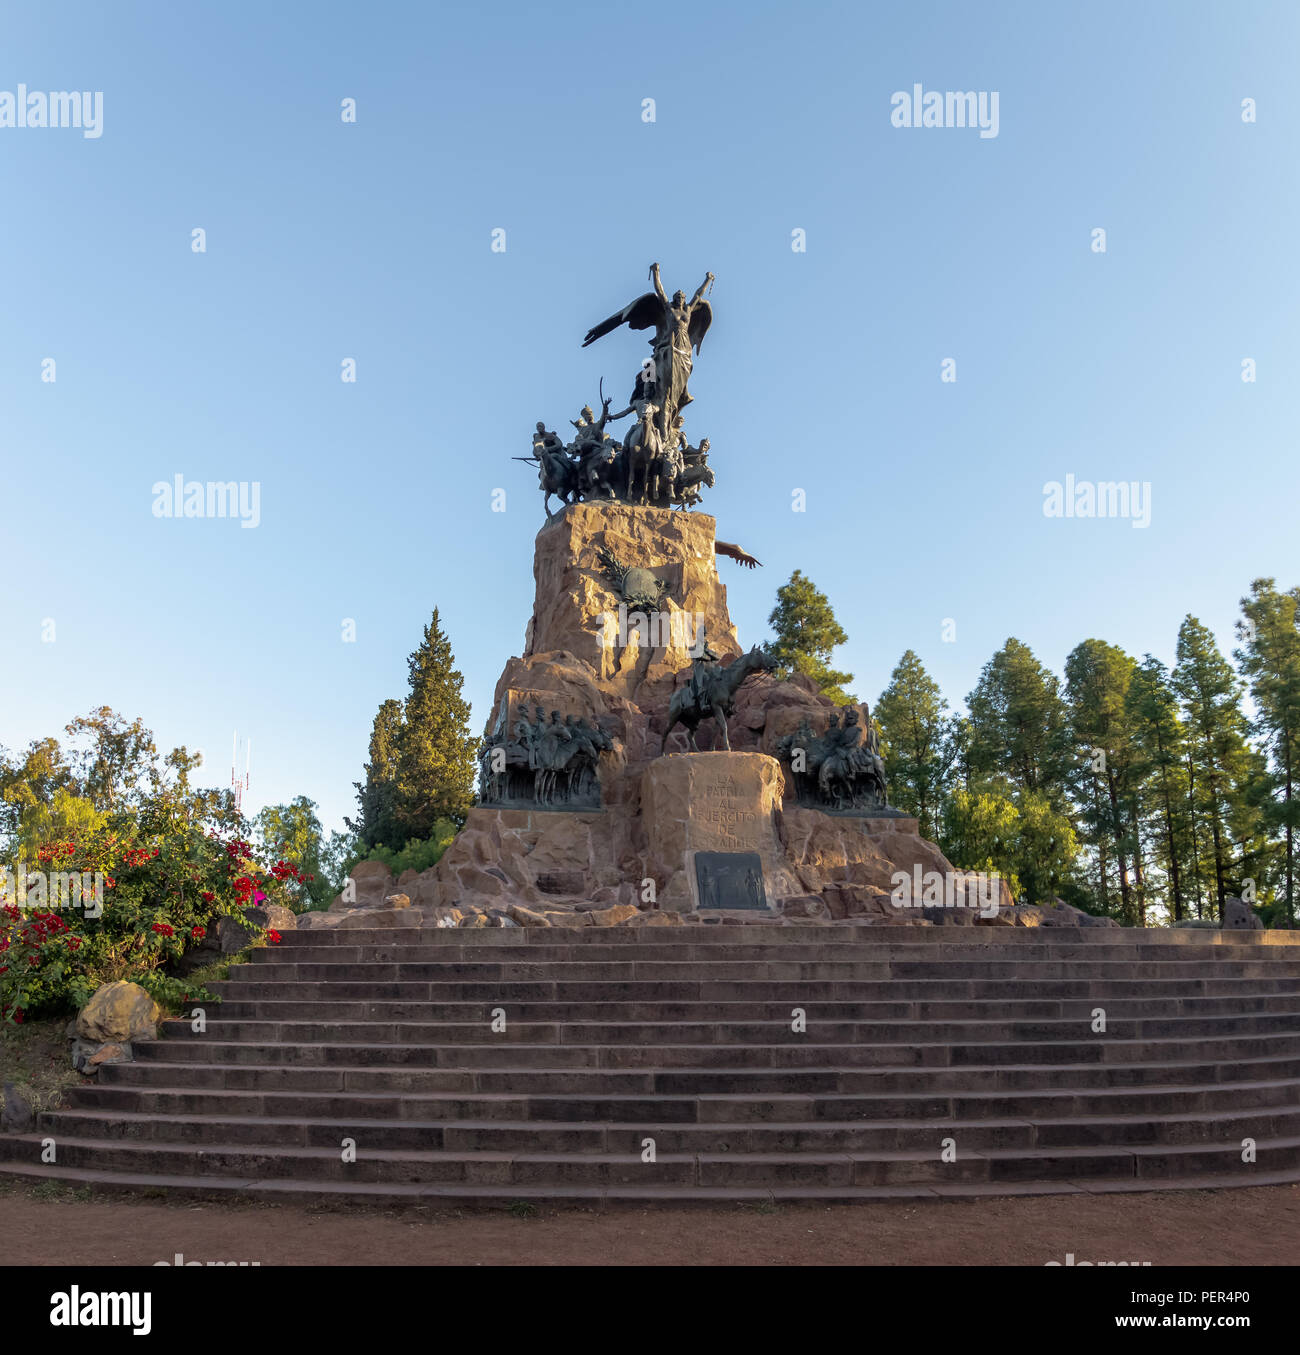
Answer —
655 919
1239 916
118 1013
371 919
1058 913
369 883
279 917
238 933
611 917
88 1056
804 906
526 917
16 1115
949 917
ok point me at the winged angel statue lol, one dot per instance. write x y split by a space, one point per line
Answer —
680 326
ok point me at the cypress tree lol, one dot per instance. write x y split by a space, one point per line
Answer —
377 823
436 763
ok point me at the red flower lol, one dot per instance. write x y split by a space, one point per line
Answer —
207 898
198 933
273 936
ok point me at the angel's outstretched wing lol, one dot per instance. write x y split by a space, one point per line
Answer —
642 313
735 553
701 319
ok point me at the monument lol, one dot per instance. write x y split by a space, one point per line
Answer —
638 760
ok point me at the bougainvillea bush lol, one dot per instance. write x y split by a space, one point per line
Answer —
170 860
161 895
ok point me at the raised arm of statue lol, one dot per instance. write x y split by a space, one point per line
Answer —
659 287
702 288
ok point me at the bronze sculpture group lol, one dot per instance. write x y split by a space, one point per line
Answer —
545 763
840 770
654 464
554 763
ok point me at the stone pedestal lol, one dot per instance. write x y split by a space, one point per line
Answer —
713 802
659 812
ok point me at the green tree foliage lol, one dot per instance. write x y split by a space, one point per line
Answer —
1269 658
806 632
436 764
1130 789
916 741
1159 744
30 780
377 823
1022 837
1218 758
419 854
293 832
1018 723
164 860
112 760
422 761
1097 680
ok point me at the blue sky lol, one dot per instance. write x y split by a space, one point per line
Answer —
372 241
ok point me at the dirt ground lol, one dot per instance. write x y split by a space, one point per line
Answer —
49 1225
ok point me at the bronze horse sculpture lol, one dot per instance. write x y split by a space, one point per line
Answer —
720 686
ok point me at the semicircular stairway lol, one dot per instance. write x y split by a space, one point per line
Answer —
672 1064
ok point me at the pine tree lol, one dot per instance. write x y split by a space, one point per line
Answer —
1160 747
806 632
916 741
436 763
1017 723
1097 679
1210 693
1270 660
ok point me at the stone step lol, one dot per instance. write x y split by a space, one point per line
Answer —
754 989
683 1035
450 1196
526 1081
921 1070
360 1095
347 951
815 971
532 1169
275 1010
597 1031
866 1052
787 934
607 1137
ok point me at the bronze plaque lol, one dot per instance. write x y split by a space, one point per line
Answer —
730 880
